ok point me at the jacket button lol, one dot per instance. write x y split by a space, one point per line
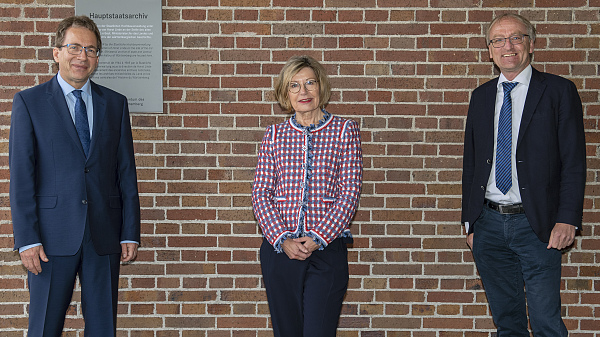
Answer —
84 202
489 161
87 170
482 187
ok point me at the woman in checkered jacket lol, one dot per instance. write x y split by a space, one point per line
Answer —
305 193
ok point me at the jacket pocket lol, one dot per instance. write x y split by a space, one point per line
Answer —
115 202
46 201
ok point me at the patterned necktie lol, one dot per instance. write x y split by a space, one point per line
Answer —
504 143
81 121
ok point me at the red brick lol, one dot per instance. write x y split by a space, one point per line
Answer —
454 3
401 56
297 29
562 56
349 28
455 29
560 3
349 3
402 29
403 3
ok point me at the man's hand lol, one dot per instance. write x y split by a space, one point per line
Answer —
31 259
470 240
300 248
562 236
128 251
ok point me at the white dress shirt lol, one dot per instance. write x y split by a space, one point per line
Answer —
518 96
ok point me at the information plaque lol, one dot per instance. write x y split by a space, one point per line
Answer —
131 54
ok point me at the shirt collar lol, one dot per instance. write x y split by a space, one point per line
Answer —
67 88
524 77
312 127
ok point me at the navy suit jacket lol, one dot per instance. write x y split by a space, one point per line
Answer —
54 188
550 154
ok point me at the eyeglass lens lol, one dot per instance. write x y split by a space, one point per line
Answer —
309 85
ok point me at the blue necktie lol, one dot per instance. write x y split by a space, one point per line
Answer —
81 121
504 142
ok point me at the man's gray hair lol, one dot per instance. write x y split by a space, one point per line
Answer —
530 28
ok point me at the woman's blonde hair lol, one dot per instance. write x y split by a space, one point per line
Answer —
290 69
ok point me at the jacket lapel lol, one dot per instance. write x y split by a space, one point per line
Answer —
99 114
58 104
489 112
534 93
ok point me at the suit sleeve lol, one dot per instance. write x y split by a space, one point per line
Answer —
571 143
128 181
263 191
468 164
22 162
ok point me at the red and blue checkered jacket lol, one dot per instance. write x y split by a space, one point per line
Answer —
308 180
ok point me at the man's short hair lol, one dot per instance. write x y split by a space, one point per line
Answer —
530 28
76 21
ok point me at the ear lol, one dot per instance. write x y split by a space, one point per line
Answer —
490 51
530 46
55 52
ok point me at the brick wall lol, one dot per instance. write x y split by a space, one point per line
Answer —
404 69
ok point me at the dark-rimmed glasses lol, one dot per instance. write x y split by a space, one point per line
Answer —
501 41
309 85
75 49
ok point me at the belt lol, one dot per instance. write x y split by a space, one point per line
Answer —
504 209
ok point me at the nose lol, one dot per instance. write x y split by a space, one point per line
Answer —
508 45
303 88
82 54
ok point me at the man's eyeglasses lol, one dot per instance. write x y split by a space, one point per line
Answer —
309 85
75 49
500 42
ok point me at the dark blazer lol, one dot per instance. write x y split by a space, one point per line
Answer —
550 155
54 188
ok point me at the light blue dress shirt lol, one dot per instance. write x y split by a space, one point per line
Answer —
86 96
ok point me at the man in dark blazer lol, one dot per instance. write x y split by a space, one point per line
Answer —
523 182
73 187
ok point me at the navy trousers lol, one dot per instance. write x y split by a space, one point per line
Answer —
51 290
305 297
518 271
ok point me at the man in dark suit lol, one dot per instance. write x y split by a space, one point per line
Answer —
73 187
523 182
